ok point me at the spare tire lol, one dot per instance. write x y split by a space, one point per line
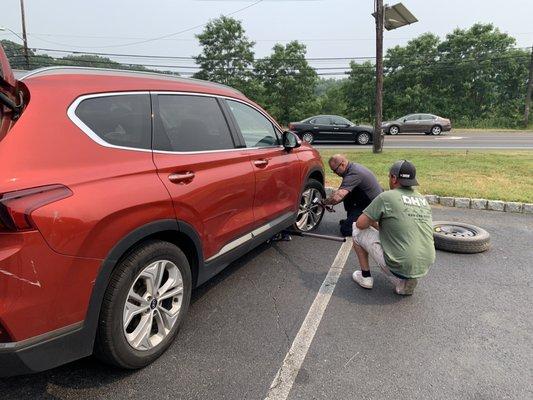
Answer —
458 237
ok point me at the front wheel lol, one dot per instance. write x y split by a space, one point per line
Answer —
310 212
308 137
144 305
363 138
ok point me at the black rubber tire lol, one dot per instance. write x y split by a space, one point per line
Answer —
111 345
312 183
361 135
439 130
396 126
478 243
312 137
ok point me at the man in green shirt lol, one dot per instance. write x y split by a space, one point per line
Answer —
396 229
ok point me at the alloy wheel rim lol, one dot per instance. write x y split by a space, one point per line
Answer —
310 210
153 305
308 137
436 130
363 138
393 130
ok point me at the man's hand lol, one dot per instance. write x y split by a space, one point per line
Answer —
336 197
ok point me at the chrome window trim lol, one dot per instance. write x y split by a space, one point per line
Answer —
249 236
71 113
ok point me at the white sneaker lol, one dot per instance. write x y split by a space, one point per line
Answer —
367 282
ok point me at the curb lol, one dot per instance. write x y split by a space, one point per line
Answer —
474 204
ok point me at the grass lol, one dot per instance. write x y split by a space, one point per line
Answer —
497 175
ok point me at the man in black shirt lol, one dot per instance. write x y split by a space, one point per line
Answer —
358 188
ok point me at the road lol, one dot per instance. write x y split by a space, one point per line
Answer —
456 139
465 334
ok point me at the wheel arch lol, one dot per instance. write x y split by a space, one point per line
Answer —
177 232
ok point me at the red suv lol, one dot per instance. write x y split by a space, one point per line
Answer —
120 192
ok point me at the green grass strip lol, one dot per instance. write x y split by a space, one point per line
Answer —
497 175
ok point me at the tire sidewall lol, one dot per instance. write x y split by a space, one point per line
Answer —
433 130
361 134
391 129
311 184
130 269
310 135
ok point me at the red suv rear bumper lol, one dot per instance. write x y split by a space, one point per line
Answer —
44 298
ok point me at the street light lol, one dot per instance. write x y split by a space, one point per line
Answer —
391 17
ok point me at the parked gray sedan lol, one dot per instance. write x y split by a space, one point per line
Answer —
427 123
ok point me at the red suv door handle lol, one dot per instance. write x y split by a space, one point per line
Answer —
184 177
261 163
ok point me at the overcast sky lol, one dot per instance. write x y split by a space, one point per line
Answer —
329 28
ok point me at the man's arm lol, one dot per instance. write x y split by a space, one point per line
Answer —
336 197
364 222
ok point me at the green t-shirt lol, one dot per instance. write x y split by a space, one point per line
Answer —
405 231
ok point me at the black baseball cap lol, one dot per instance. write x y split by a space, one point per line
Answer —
405 171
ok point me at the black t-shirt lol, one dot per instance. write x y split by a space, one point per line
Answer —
362 185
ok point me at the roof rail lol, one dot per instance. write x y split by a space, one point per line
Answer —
43 70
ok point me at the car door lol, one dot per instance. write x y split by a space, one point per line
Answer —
323 128
211 182
426 122
411 123
342 129
277 171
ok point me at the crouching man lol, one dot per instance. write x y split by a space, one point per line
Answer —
396 229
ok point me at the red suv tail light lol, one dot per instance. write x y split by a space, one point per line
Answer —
16 207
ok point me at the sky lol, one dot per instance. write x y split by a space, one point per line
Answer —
329 28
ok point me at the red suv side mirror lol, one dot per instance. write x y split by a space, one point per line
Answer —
290 140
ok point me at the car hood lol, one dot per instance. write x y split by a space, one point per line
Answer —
364 127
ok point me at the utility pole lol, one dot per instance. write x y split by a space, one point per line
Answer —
529 90
24 38
378 131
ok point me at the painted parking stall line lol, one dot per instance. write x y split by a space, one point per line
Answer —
286 375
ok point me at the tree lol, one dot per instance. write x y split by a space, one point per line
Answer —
359 91
17 59
227 56
289 83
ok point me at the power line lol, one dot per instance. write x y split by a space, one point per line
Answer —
155 38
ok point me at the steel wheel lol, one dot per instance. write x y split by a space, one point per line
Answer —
454 230
436 130
394 130
153 305
363 138
310 212
308 137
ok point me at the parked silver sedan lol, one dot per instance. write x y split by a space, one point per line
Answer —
427 123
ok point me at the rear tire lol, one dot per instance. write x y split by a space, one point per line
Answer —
162 268
458 237
310 214
436 130
394 130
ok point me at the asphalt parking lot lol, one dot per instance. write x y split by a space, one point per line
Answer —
467 333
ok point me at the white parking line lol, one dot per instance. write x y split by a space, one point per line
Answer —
282 383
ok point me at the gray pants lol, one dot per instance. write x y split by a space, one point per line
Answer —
368 239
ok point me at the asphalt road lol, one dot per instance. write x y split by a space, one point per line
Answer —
455 139
467 333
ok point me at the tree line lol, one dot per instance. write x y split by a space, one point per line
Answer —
475 76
